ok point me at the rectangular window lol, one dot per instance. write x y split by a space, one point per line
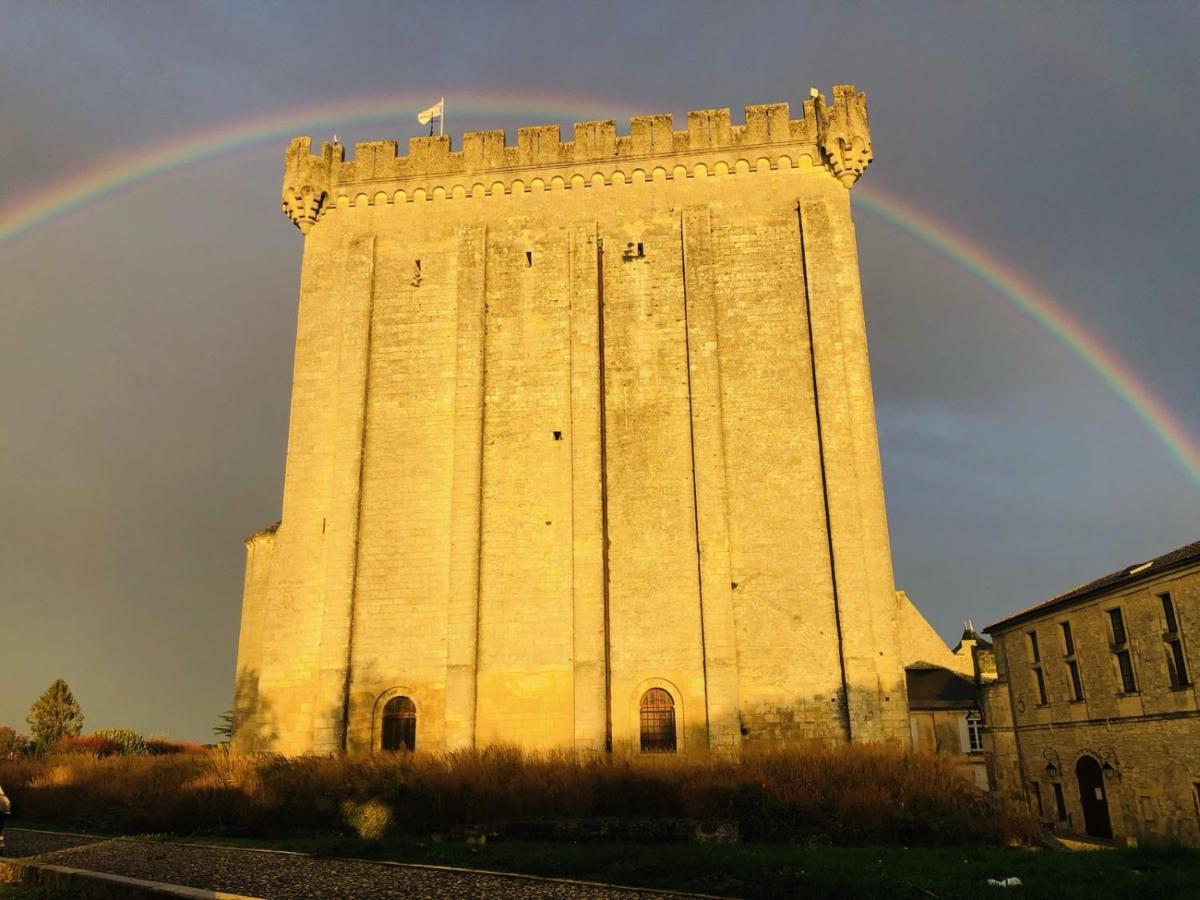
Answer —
1035 791
1034 653
1076 682
1176 664
1176 661
1169 612
1118 626
1060 802
1041 686
974 733
1125 663
1124 660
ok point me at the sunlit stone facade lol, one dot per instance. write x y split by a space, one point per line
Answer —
1095 717
582 444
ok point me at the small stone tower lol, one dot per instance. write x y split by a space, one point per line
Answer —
582 448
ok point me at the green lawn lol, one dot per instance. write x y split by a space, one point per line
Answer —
771 870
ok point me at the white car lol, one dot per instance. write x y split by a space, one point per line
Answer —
5 809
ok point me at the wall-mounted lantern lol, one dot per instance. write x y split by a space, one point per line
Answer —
1109 762
1053 766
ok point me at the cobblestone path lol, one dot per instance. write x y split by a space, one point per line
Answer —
284 876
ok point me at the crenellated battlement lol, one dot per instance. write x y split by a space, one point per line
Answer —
835 135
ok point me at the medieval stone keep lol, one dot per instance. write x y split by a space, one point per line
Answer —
582 448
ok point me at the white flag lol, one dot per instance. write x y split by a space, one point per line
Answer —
434 112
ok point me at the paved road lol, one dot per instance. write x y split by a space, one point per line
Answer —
24 842
275 875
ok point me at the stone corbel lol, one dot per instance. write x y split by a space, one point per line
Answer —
306 181
843 134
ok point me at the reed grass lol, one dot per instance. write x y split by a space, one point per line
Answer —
856 794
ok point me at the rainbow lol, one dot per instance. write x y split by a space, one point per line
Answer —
71 193
1045 310
1016 289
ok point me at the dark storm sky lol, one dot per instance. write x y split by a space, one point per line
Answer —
146 338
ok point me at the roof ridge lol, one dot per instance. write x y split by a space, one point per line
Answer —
1178 556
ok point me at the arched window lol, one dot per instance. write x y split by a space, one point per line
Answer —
658 721
399 724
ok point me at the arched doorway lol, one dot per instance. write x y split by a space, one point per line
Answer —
1093 797
657 714
399 724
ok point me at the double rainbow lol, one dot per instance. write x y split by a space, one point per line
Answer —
1010 284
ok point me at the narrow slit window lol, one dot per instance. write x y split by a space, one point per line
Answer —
1034 653
641 250
528 259
1041 686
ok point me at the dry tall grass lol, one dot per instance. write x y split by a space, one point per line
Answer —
847 794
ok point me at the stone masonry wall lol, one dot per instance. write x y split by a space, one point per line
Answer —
1150 740
571 421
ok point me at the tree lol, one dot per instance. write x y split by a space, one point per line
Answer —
12 745
224 727
56 715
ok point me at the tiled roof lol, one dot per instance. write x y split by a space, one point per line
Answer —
933 687
1128 575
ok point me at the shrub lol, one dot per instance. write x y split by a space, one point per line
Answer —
93 744
158 746
370 820
126 738
845 795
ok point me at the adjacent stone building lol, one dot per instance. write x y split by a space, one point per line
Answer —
1094 718
945 712
582 449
